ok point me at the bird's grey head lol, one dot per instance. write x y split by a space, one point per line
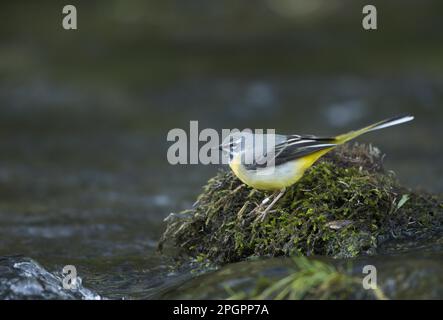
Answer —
250 146
235 143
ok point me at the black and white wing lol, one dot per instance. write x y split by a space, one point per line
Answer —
293 147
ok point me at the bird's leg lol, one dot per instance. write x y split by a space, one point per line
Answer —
262 216
265 201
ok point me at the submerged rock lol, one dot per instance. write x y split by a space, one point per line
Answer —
346 205
407 276
23 278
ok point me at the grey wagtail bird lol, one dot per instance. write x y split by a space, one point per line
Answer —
289 156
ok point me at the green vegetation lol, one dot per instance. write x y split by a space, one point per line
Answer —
346 205
310 279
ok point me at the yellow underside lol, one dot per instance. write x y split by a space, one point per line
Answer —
281 179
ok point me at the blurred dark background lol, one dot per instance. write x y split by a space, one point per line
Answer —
84 113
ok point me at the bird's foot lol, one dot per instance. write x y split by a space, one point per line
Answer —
262 216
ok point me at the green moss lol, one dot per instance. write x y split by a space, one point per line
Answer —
344 206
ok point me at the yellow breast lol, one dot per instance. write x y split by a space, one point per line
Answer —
274 177
270 178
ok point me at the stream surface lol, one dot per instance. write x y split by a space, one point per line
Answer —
84 178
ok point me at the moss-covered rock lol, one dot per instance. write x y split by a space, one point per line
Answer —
344 206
